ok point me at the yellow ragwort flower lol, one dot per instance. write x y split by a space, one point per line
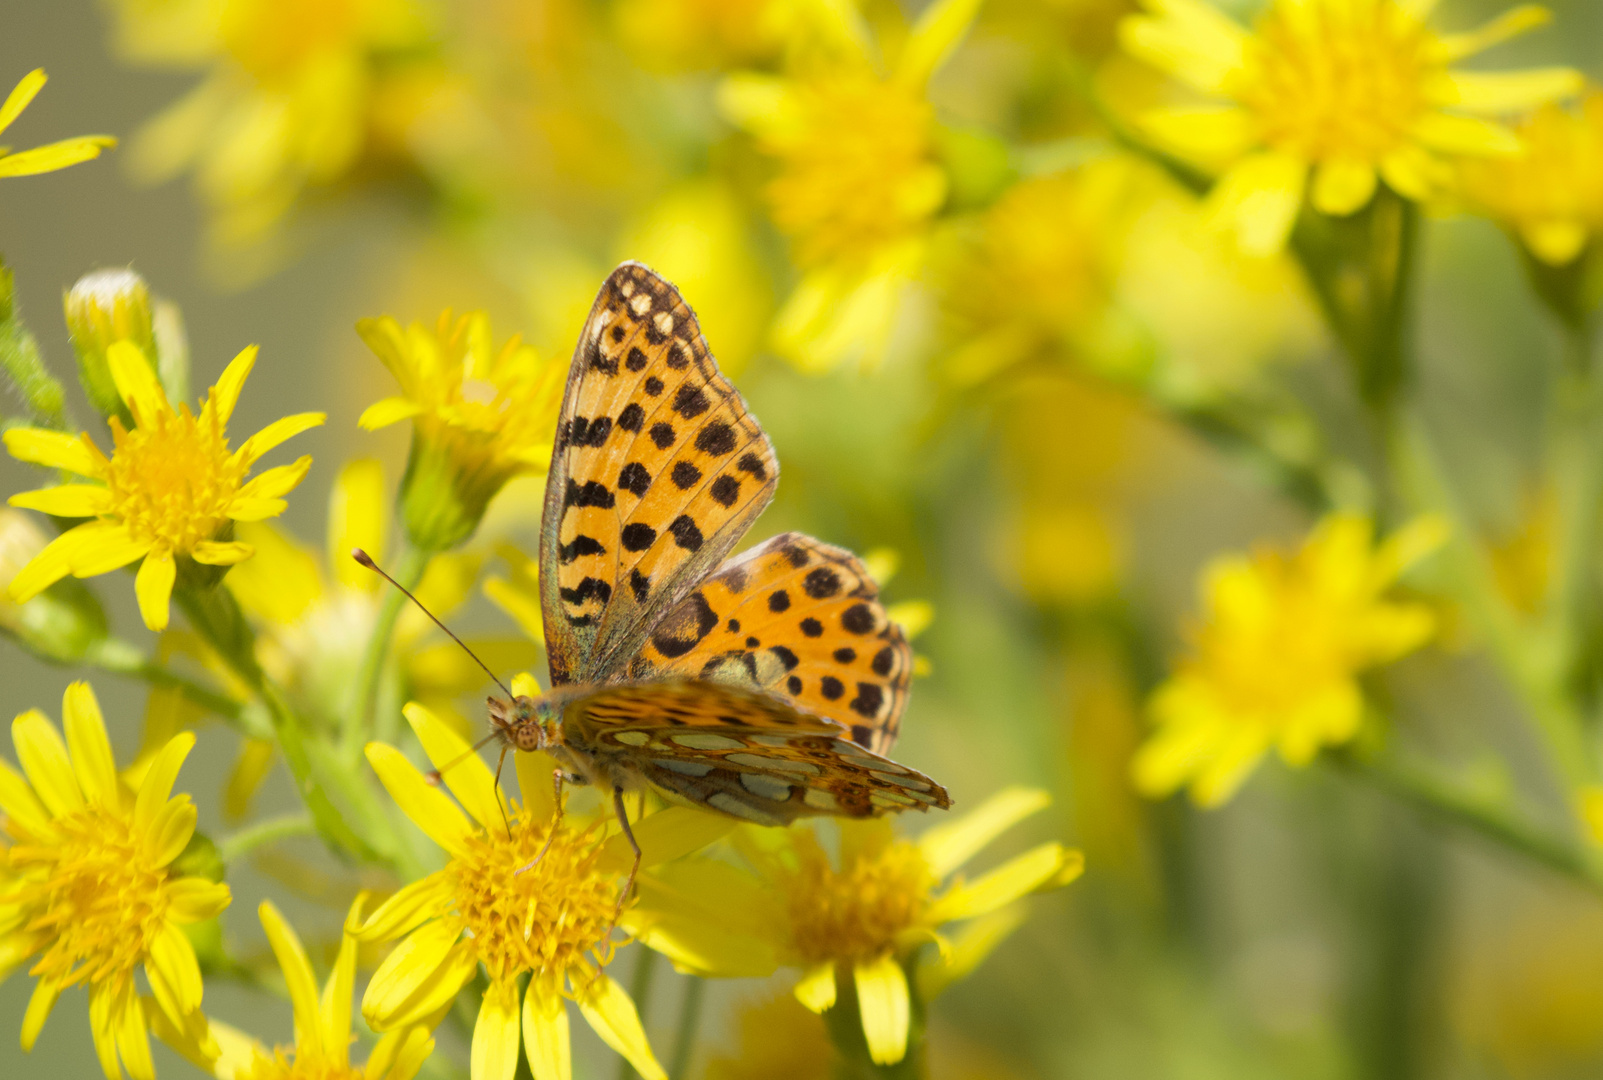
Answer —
322 1049
90 892
1331 96
857 184
1276 659
551 922
862 920
1550 194
170 490
480 417
49 158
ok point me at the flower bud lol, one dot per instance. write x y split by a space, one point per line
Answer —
107 306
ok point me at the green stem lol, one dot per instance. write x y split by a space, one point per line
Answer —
1576 460
684 1041
359 719
251 837
640 984
1472 810
125 658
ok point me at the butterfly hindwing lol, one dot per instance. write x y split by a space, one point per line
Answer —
657 470
744 752
798 618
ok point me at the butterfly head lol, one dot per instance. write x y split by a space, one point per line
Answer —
527 723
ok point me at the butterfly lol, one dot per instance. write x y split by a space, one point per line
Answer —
767 687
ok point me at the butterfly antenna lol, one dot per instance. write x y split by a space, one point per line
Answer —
433 775
362 557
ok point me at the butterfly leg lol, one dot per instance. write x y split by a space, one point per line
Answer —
623 819
556 819
499 802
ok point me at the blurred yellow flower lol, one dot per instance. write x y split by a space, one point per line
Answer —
1276 659
696 35
171 488
48 158
861 921
322 1049
286 103
1332 96
1551 194
91 890
857 183
480 417
550 921
778 1040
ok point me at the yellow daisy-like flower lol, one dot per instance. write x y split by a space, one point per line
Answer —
1330 96
91 894
550 921
1551 193
862 918
49 158
480 417
857 182
290 94
322 1049
1276 660
170 490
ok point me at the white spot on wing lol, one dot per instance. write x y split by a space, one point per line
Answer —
684 768
726 802
632 738
699 740
767 786
819 799
757 761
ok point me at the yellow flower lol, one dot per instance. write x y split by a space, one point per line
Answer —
1331 95
49 158
778 1040
480 417
171 488
862 920
91 892
857 183
286 104
1277 657
322 1049
1551 193
550 921
693 35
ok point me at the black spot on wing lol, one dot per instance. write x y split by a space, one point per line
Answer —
778 600
632 417
662 433
587 588
812 627
683 630
593 493
831 687
868 700
685 475
821 583
652 385
580 545
634 479
725 489
638 536
685 532
884 661
636 360
716 439
753 464
785 656
858 619
640 585
691 401
845 656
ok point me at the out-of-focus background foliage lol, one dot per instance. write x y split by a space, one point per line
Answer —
1313 927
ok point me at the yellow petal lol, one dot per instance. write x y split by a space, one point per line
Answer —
611 1012
102 1026
357 515
154 587
951 844
1343 186
416 966
939 29
248 508
972 943
1258 201
1506 91
463 771
172 830
20 804
495 1035
1450 134
20 96
68 500
73 547
218 553
45 993
195 899
106 547
399 1055
434 996
1017 877
413 904
708 917
133 1038
298 978
277 432
44 759
545 1034
136 382
1228 769
388 411
666 835
1210 133
1507 25
816 989
1191 40
158 782
525 685
334 1009
536 782
57 155
225 395
92 760
1556 243
427 806
55 450
884 1003
273 483
174 973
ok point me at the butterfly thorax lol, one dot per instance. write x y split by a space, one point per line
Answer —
535 724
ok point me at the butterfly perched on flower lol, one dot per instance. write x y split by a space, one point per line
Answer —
767 687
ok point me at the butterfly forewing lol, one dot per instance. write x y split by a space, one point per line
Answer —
799 618
743 752
657 471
